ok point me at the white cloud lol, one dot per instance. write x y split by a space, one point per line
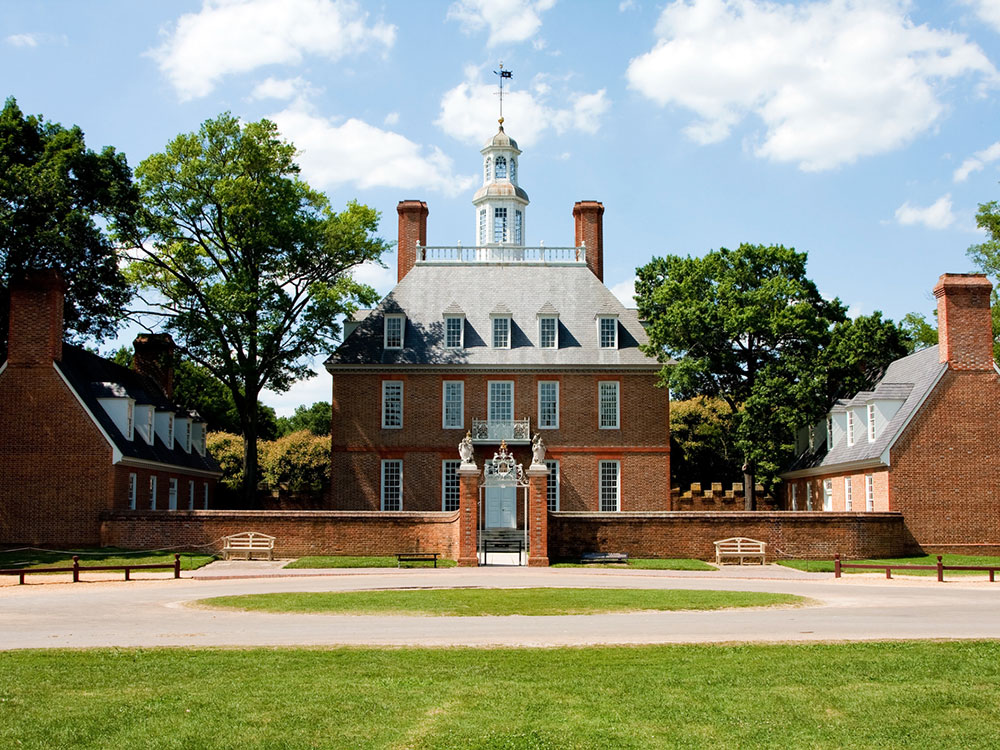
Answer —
507 20
977 161
317 387
988 11
469 110
938 215
832 80
625 5
31 40
236 36
382 280
353 152
625 291
282 88
391 119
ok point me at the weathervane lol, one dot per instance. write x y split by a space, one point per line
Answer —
503 74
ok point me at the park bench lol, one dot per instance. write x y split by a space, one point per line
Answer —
403 557
604 557
509 544
741 547
248 542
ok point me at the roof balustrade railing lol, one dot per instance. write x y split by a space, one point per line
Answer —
542 255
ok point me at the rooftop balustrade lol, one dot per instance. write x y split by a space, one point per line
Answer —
497 254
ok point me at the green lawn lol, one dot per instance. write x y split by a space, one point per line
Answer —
826 566
679 563
349 561
478 602
98 556
823 697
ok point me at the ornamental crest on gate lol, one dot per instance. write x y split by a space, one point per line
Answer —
502 469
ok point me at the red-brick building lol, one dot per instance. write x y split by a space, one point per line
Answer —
924 441
500 341
80 435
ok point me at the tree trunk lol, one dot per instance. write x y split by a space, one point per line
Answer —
249 420
749 500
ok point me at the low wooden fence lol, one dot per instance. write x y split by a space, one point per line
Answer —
940 568
76 568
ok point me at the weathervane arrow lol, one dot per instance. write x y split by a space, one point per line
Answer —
502 74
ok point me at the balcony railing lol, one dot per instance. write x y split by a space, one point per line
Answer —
545 256
493 431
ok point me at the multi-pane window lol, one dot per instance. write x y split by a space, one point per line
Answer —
552 489
608 330
392 484
850 427
392 404
454 405
130 419
501 400
451 489
454 330
501 170
499 224
513 170
795 499
187 435
848 500
610 486
871 423
518 224
501 332
394 331
829 433
172 494
170 430
190 494
152 492
869 492
482 226
488 164
809 496
132 489
547 333
608 404
827 494
548 404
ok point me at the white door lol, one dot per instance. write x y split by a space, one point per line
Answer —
501 507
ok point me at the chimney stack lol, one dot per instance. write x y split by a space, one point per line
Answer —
588 218
35 331
154 358
965 327
412 229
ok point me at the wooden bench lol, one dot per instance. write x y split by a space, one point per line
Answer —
248 542
417 557
604 557
741 547
510 545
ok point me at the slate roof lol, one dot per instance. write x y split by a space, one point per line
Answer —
428 291
910 379
94 377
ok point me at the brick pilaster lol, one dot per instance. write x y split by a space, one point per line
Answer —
412 229
468 522
965 327
538 515
588 220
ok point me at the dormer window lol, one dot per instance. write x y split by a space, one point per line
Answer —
182 428
394 325
501 170
871 423
829 433
130 420
850 427
454 331
121 409
607 331
165 427
501 331
548 332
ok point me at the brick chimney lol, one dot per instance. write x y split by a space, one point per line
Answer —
965 327
588 218
35 333
154 358
412 229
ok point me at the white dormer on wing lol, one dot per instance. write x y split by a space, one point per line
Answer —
144 422
164 426
199 433
500 203
548 327
119 406
182 433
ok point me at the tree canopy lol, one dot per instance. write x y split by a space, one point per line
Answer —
986 256
748 327
246 265
314 419
56 195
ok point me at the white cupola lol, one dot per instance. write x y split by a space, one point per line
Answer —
500 203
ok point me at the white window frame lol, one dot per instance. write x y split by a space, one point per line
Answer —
461 404
809 495
152 491
850 427
541 423
190 494
555 331
482 225
869 492
402 330
489 400
499 224
382 487
848 495
829 433
601 319
552 489
172 492
518 227
133 490
386 386
130 419
461 331
795 498
871 423
600 404
494 319
618 486
497 172
456 485
828 495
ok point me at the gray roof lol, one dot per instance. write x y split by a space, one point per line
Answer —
427 291
909 379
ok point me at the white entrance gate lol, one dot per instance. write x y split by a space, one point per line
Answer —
502 478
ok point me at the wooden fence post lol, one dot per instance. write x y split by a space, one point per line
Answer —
836 565
177 565
940 570
76 569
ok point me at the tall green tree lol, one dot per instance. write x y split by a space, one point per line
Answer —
314 419
245 264
56 195
745 326
920 333
986 256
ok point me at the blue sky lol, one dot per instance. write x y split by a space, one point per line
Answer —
864 133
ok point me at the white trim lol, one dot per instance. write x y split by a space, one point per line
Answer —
555 333
618 485
553 463
489 398
869 493
173 492
444 405
541 425
870 427
444 483
814 471
493 334
392 426
133 490
461 331
385 329
190 494
828 495
154 490
600 320
381 490
884 457
618 405
3 366
141 463
116 454
848 494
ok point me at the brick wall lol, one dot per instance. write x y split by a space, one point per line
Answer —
685 534
297 532
838 486
715 498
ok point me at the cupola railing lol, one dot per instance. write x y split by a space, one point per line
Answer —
546 256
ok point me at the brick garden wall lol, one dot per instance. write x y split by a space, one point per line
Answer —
297 532
691 534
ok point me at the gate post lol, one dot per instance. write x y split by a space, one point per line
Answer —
538 515
468 515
